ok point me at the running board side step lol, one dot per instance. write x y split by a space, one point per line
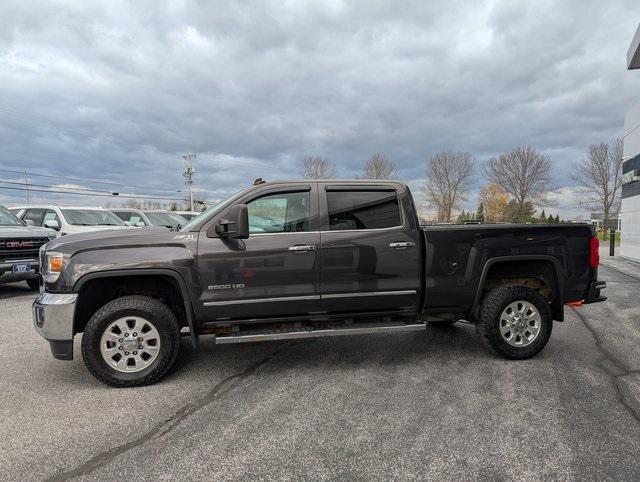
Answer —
356 329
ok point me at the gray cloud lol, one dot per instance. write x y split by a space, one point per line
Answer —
119 90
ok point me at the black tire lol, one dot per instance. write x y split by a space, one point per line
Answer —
442 323
488 325
34 283
150 309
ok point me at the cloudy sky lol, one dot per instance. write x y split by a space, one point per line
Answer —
117 91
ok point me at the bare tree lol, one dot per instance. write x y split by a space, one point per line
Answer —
142 204
524 174
379 167
600 177
449 178
317 167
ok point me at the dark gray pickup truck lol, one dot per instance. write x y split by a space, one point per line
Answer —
302 259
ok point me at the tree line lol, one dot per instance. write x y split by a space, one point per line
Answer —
516 188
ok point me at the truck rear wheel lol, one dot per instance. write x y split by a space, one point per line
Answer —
131 341
516 321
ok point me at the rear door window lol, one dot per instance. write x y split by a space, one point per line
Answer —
34 215
363 209
129 217
50 215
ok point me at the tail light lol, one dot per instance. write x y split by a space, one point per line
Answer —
594 252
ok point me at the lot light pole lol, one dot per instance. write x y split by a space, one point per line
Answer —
26 187
189 171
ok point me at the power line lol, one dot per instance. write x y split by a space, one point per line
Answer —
115 196
27 184
106 183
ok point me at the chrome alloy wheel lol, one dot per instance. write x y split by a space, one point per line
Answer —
520 323
130 344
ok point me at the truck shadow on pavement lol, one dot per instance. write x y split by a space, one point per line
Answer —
11 290
456 345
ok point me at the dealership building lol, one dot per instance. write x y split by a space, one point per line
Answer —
630 206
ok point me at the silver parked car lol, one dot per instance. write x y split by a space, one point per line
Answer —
149 217
67 219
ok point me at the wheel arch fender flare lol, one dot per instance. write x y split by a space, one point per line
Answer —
514 258
182 285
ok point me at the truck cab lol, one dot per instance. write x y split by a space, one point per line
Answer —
312 247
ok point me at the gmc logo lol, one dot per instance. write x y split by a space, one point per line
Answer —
19 244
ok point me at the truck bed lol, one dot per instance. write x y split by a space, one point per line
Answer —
458 259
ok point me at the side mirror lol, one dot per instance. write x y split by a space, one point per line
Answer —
52 224
29 222
235 225
126 223
140 224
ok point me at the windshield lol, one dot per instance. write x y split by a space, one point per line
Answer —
208 212
169 219
91 217
7 218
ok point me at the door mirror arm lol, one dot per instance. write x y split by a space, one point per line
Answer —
235 225
52 224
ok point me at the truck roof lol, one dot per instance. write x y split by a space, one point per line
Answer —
332 181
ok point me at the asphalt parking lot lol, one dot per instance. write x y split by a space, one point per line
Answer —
434 405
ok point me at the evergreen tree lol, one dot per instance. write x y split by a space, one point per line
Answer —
524 213
480 214
550 219
543 217
557 219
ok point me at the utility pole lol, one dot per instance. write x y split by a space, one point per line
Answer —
26 187
189 171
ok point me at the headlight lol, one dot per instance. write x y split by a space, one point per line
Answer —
52 266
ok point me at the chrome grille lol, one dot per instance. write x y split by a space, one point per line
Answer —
15 249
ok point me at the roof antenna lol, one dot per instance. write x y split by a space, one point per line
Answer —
258 181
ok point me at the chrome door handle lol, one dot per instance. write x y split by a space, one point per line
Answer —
402 245
302 248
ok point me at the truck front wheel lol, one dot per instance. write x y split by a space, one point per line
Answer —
131 341
515 321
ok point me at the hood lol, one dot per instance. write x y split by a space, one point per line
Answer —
105 238
26 232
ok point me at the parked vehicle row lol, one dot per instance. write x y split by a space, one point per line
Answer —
70 220
152 217
24 229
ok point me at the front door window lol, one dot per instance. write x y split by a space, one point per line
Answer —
279 213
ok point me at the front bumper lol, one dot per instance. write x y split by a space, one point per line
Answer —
8 276
53 315
593 293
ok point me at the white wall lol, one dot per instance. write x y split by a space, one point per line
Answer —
632 132
630 234
630 207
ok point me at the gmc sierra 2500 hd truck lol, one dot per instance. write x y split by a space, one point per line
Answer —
302 259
